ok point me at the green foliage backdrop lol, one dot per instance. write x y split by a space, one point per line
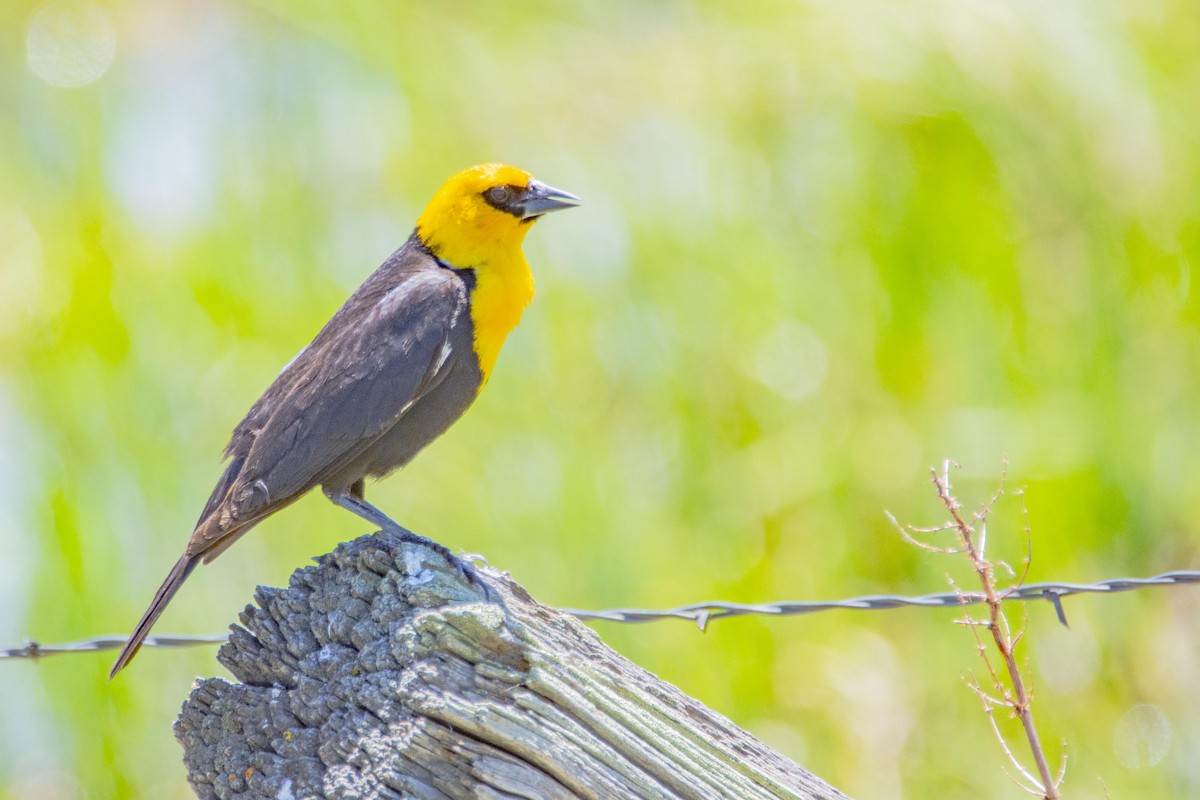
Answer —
825 245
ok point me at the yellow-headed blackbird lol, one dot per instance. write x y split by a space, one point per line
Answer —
393 369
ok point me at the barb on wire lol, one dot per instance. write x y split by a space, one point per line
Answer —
703 613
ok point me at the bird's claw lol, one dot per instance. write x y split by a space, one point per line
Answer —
463 565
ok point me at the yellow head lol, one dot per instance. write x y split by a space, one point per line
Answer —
484 212
477 221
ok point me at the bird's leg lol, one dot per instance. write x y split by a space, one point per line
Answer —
353 500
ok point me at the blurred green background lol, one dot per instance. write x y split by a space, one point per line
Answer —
825 246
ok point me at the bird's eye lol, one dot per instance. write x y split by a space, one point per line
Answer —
498 194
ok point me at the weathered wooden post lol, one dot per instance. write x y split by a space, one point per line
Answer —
383 672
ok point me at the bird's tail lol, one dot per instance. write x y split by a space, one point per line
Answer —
179 573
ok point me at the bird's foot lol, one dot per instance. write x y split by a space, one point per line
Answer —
352 500
463 566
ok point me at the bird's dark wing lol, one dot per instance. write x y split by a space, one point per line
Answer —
350 386
363 383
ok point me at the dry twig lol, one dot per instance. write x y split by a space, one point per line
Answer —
1015 694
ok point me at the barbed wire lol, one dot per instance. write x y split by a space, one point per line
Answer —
704 613
34 650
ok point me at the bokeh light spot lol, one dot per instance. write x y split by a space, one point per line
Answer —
1142 736
791 360
70 44
1068 658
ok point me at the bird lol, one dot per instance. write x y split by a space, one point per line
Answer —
400 361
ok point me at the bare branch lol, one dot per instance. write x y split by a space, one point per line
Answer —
1016 695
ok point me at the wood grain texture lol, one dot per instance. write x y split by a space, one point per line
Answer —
384 673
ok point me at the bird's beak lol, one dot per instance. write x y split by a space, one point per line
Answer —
541 199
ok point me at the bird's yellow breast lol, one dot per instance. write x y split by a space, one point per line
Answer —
502 291
461 229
